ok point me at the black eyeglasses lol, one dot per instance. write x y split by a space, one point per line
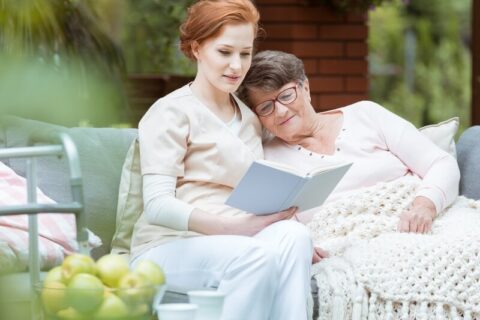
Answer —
285 97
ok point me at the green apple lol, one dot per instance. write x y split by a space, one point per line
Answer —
77 263
139 311
54 275
134 289
85 292
54 297
112 308
70 314
151 271
111 268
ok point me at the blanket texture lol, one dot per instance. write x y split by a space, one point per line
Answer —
378 273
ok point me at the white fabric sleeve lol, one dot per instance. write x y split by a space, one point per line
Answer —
439 170
160 205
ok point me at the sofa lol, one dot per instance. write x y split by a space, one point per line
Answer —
102 152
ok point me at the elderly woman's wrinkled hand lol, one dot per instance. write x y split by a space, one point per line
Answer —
319 254
419 217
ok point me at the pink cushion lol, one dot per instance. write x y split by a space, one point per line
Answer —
57 232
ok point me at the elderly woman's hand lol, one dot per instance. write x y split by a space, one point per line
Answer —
319 254
419 217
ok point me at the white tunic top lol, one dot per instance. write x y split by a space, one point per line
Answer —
179 136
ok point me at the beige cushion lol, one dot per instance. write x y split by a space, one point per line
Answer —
443 134
130 200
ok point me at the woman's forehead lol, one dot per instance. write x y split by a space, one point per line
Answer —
265 91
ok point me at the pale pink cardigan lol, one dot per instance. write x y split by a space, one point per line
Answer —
382 147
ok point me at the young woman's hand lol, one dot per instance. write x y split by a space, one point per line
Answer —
250 224
419 217
244 224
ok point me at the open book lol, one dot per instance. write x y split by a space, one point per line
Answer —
269 187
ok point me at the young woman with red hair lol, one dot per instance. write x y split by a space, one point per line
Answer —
195 145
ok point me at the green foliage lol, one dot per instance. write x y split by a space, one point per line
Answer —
58 63
441 70
68 94
151 37
54 30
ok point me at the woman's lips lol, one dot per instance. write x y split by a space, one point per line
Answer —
232 78
286 120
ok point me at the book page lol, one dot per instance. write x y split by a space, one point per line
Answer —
264 190
283 167
318 170
317 189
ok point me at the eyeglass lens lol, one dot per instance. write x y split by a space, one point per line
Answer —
285 97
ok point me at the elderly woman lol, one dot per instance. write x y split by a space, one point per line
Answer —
381 145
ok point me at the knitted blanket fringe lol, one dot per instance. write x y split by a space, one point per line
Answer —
377 273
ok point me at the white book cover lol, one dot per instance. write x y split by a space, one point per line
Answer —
268 187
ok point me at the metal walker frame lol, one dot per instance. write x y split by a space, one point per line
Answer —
64 147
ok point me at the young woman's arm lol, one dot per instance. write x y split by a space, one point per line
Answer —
162 208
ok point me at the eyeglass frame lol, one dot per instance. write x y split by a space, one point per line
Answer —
298 84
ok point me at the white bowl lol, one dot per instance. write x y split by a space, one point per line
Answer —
210 303
159 293
176 311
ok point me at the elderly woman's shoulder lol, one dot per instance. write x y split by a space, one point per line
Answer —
366 107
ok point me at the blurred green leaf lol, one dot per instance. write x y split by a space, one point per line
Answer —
442 64
151 37
58 63
68 94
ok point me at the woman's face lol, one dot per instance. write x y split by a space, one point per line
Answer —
289 121
224 60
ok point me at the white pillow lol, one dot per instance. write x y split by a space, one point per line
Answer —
443 134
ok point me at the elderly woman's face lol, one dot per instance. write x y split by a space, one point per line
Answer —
285 112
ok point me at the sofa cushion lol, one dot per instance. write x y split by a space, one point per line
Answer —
443 134
2 137
130 200
101 151
468 156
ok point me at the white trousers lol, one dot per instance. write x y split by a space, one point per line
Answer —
264 277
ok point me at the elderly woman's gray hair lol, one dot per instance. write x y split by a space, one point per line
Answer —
271 70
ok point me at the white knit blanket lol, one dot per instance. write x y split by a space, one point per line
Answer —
378 273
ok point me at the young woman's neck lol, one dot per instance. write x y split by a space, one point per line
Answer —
209 95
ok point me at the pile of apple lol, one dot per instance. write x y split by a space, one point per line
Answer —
81 288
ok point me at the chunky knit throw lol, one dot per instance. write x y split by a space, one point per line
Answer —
378 273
